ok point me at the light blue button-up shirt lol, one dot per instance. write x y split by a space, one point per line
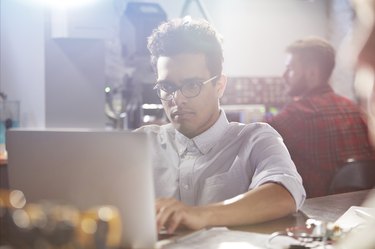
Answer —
225 161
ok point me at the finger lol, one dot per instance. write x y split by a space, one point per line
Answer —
175 221
159 203
164 215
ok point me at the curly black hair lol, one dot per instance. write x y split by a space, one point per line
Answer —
185 35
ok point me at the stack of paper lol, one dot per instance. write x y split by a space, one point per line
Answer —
356 216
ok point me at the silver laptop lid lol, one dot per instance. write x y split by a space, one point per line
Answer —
87 169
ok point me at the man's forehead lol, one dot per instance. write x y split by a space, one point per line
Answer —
182 66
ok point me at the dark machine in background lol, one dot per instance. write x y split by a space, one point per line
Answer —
124 102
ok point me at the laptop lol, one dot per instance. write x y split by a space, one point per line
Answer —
88 169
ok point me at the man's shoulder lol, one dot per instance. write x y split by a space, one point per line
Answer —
344 100
250 129
329 102
334 104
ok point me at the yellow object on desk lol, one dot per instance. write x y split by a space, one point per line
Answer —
3 157
103 222
56 224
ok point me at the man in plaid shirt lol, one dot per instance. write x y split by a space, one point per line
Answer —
321 129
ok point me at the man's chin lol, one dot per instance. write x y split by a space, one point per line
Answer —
183 128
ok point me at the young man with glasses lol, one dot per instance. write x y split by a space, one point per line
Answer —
207 171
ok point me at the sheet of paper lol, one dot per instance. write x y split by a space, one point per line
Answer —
223 238
356 216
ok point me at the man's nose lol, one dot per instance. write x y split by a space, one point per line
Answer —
178 97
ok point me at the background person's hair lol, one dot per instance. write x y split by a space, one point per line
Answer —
187 36
316 51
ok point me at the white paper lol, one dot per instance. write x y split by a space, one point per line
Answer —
356 216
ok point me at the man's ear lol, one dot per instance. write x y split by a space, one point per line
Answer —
220 85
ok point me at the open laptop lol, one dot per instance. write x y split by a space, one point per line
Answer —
88 169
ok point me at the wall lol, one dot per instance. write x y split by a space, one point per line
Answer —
75 82
22 58
256 32
340 25
60 82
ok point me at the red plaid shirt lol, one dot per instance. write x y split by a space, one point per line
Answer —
322 131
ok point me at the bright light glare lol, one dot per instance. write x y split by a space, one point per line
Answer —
152 106
17 199
106 213
88 226
64 3
237 245
234 199
364 79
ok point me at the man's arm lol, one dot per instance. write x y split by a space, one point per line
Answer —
266 202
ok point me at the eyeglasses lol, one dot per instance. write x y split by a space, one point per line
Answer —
166 90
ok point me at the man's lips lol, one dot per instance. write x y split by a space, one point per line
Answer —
180 113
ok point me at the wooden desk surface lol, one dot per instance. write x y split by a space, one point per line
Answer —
331 207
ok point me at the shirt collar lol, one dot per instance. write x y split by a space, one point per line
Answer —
206 140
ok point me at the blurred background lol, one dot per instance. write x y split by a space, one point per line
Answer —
84 63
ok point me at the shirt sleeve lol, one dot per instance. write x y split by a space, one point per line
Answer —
273 163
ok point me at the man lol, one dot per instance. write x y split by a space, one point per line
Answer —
321 129
209 172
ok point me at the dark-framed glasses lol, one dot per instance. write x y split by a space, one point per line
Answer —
190 89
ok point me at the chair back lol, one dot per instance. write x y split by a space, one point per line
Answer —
353 176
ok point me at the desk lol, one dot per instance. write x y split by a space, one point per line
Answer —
331 207
327 208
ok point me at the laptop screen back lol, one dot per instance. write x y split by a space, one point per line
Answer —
88 169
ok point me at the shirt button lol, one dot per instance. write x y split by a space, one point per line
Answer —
186 187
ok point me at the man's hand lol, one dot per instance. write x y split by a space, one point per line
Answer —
171 214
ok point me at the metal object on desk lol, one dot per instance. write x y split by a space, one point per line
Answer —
314 233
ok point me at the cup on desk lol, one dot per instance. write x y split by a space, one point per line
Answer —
9 118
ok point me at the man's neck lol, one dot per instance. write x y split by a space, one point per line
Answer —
319 89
